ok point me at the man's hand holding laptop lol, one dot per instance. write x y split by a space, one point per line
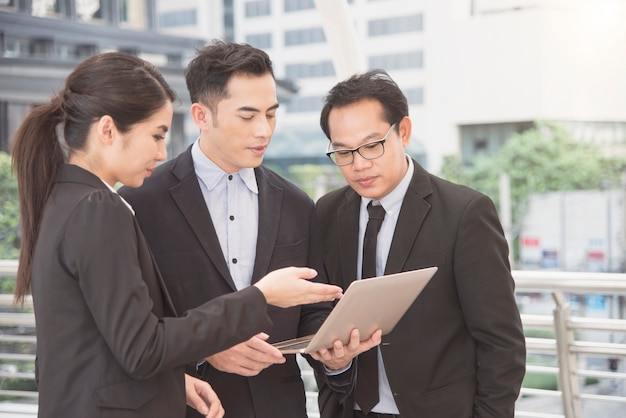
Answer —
340 355
253 356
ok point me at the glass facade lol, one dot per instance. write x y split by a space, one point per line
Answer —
302 70
304 36
295 5
258 8
178 18
393 25
43 40
305 104
260 40
398 61
414 95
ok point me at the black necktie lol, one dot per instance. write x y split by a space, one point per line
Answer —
366 392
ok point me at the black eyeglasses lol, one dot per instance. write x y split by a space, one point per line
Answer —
369 151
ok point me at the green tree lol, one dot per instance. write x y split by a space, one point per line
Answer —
540 160
315 179
9 210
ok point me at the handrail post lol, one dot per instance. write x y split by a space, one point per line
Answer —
567 360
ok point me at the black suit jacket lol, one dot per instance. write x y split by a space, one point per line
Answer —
108 344
172 212
459 351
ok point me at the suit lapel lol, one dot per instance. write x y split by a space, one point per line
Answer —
189 199
412 215
270 203
349 236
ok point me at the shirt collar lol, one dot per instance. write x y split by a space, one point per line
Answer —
211 174
393 201
123 200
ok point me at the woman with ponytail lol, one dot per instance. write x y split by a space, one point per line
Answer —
109 343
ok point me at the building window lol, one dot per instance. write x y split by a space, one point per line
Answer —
319 69
260 40
305 104
48 8
16 47
414 96
133 14
229 21
295 5
7 4
480 146
105 13
400 61
389 26
304 36
41 48
178 18
86 10
258 8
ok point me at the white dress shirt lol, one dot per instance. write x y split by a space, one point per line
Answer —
392 204
233 202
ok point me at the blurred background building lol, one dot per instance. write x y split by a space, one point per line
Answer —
41 41
474 71
294 34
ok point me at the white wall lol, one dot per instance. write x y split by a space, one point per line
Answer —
560 62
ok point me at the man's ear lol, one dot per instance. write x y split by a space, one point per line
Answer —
201 115
106 129
405 126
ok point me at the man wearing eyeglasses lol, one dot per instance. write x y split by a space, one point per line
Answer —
459 351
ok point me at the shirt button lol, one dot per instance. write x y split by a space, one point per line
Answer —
230 177
234 260
231 217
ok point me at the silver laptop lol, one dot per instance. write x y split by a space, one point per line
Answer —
378 302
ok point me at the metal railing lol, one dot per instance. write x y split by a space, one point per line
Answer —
578 343
562 343
569 350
